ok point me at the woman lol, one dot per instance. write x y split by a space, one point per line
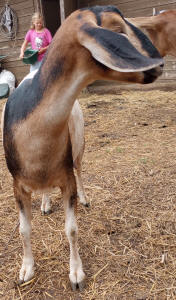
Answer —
39 37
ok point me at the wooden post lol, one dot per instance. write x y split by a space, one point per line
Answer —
62 11
38 5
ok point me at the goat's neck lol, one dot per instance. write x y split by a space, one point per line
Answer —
60 95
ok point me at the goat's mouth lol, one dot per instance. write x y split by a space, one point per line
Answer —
151 75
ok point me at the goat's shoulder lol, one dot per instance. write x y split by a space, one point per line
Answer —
23 100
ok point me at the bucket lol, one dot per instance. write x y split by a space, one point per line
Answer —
30 56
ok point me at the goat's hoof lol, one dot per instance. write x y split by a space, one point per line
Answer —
81 285
20 282
85 204
46 213
76 286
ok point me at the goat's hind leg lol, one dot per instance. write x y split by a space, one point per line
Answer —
79 182
46 205
23 200
77 276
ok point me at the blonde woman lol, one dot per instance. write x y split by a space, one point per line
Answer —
39 37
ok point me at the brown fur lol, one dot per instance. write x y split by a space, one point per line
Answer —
161 30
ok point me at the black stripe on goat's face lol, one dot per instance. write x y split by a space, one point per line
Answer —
99 10
116 43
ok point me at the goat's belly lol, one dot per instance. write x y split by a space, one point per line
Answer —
43 180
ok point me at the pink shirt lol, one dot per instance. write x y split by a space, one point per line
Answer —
39 40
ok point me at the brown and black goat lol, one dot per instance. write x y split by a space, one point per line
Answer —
92 43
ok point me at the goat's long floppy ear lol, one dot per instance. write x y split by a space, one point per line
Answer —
114 50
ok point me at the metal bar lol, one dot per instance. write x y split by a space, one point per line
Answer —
62 10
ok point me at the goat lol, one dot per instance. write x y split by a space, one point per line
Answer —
160 29
92 43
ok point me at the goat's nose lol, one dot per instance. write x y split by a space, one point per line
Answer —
151 75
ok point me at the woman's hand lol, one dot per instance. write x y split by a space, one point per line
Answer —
23 48
21 55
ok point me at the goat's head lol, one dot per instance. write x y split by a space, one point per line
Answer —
112 48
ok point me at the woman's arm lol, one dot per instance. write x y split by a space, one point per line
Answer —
23 48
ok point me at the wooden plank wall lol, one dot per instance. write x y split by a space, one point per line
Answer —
69 6
139 8
24 10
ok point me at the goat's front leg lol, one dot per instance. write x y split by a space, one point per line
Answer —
23 201
77 276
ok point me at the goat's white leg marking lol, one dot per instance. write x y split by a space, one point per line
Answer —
80 187
27 269
23 200
76 275
45 206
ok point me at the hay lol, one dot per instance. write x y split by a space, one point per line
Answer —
127 237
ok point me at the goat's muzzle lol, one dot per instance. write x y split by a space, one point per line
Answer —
151 75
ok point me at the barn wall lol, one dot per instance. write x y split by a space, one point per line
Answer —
139 8
69 6
24 10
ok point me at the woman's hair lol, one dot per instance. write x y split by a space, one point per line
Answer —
35 17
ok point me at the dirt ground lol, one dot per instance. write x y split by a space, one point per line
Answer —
127 237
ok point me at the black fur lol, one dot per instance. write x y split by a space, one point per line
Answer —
11 154
20 203
73 200
79 17
98 10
